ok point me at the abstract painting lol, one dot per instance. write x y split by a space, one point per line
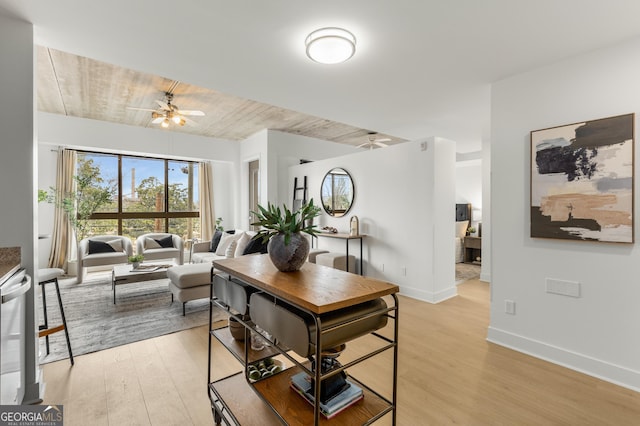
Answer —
582 181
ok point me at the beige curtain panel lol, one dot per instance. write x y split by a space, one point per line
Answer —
62 239
207 215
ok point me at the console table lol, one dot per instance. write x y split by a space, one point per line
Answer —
346 238
472 249
316 291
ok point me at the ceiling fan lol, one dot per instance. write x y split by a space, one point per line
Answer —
168 112
373 141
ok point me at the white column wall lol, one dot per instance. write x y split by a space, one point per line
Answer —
404 199
596 333
277 151
18 162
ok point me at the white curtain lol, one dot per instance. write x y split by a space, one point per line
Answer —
62 239
207 215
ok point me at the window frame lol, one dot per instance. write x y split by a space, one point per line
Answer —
119 215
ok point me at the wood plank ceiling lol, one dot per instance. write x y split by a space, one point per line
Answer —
82 87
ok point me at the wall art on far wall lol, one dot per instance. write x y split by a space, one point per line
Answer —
582 181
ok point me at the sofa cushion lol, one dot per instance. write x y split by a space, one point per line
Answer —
255 245
230 253
166 242
215 241
241 244
193 275
205 257
100 247
150 243
225 241
116 244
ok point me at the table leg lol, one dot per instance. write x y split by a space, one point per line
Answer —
361 271
347 261
113 287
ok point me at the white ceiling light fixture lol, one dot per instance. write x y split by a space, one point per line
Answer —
330 45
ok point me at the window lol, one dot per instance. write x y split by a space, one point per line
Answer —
150 195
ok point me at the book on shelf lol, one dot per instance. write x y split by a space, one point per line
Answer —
301 383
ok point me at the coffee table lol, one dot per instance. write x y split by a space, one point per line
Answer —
125 274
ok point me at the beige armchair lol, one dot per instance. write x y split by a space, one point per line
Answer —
149 245
102 250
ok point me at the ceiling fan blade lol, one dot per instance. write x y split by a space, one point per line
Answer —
163 105
192 112
158 120
383 140
380 144
189 121
140 109
363 145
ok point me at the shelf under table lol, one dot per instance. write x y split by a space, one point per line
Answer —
237 347
248 408
297 411
246 405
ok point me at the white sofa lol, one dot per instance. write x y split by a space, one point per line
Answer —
93 251
230 245
191 282
148 246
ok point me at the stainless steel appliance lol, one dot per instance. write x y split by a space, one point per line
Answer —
12 337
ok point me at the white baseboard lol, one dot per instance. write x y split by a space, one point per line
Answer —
429 296
616 374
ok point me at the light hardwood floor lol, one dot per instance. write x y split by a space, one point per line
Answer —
448 374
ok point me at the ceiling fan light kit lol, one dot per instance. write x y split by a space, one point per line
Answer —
169 112
330 45
374 140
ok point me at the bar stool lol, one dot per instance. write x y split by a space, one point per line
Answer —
46 276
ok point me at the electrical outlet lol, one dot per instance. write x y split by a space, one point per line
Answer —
404 271
509 307
382 267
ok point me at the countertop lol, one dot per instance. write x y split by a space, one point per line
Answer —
10 259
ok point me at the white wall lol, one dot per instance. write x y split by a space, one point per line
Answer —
598 332
17 163
469 185
277 151
404 199
287 150
104 136
57 130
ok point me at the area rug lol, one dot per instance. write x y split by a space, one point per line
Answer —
143 310
467 271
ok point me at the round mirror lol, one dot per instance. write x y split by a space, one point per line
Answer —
337 192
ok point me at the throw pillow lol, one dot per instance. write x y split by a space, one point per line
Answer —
225 241
166 242
96 246
215 241
116 245
231 250
150 243
255 246
241 244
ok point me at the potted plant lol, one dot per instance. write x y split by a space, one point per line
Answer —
135 260
219 224
90 195
471 230
287 247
